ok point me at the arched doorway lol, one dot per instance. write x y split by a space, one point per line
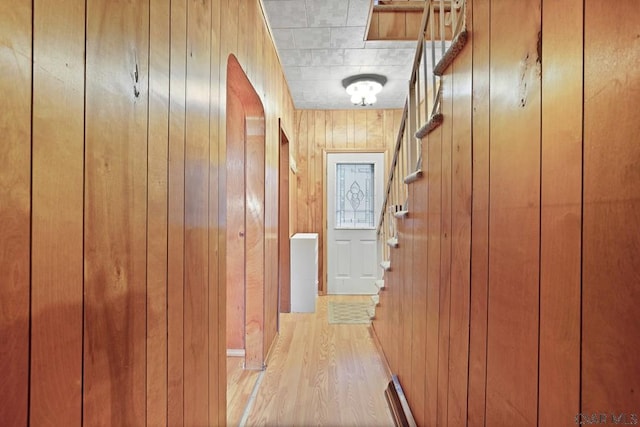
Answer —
245 166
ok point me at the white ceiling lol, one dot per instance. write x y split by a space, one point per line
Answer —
320 42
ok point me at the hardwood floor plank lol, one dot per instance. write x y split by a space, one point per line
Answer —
322 374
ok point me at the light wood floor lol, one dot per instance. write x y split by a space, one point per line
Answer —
318 374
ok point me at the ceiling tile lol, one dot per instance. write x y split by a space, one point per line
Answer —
327 13
296 57
401 72
360 56
312 38
358 13
293 73
322 57
320 42
340 72
390 44
393 56
314 73
347 37
283 38
286 13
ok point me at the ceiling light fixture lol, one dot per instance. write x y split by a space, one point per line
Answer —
363 88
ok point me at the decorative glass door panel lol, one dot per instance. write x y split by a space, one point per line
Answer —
355 196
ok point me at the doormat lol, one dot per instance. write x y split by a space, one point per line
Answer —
348 312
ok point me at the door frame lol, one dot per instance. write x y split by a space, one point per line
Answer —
325 152
254 233
284 223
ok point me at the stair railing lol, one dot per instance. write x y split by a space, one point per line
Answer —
421 114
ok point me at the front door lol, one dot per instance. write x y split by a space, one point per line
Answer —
354 200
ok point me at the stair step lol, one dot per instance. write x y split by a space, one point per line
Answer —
375 299
380 284
386 265
371 311
434 121
413 177
393 242
400 214
456 47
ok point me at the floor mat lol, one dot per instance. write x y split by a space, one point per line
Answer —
348 312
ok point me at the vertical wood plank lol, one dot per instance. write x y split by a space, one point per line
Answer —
611 223
350 128
176 215
315 186
58 162
480 214
391 25
402 262
461 193
419 212
561 206
445 250
328 129
434 216
339 122
302 188
157 221
217 285
115 213
514 231
360 129
196 244
374 128
15 208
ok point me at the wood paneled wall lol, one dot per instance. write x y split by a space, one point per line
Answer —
112 205
317 131
517 269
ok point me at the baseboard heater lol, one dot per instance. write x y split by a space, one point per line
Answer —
398 404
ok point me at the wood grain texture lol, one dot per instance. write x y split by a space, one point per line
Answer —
445 250
514 226
196 243
419 196
611 222
434 218
157 221
110 215
339 383
480 214
239 388
176 215
461 214
559 389
115 213
284 255
15 208
255 242
56 252
216 310
236 228
335 130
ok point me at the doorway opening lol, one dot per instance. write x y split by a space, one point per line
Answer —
284 273
245 194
